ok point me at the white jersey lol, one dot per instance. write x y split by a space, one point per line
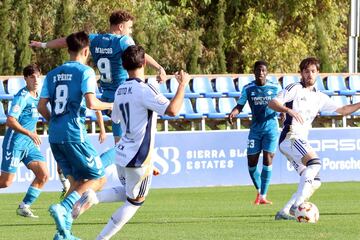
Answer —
305 102
136 106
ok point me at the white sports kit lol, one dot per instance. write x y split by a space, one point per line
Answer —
294 136
136 107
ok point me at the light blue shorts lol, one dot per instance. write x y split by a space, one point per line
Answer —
79 160
262 141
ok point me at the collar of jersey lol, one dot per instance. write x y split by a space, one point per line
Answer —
136 79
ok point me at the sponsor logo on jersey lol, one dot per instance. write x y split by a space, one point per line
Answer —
15 108
161 99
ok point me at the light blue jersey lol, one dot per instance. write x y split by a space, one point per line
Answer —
65 87
24 110
106 51
264 126
263 117
18 147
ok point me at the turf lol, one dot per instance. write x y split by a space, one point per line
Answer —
200 213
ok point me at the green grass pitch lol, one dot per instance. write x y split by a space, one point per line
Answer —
200 213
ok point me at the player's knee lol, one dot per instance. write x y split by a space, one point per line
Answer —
314 161
139 201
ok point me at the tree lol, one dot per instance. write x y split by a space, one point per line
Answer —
6 47
23 53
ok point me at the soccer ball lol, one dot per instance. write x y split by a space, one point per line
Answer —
307 212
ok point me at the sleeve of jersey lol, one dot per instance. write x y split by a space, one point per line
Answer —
45 90
92 36
17 106
88 85
125 42
115 113
155 101
285 95
243 97
327 104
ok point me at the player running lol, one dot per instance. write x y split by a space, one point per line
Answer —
70 88
21 142
264 131
302 102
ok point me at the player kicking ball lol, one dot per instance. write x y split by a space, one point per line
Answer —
136 107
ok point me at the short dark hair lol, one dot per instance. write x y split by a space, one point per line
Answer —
133 57
260 63
309 61
120 16
31 69
77 41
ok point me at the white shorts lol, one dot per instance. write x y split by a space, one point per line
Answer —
295 150
137 180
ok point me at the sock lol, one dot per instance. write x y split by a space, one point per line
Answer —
70 200
305 188
64 181
255 177
115 194
288 205
108 157
31 195
265 179
118 220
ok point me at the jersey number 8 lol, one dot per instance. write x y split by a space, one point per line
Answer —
61 95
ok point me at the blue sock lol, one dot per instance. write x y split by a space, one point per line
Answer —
255 176
31 195
70 200
265 179
108 157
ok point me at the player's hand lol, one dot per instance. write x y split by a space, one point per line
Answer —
232 115
161 77
296 116
156 171
282 117
35 138
182 77
102 136
35 44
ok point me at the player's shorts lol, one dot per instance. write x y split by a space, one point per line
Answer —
295 150
116 128
11 157
262 141
79 160
137 180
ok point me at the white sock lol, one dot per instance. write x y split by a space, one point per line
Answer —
115 194
118 220
305 188
315 186
288 205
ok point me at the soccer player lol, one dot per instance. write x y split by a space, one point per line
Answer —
263 134
70 88
302 102
21 142
136 106
106 50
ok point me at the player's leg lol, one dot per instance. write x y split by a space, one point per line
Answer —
36 163
6 179
266 176
138 182
253 152
269 144
64 181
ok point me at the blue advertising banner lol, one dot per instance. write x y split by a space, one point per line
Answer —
218 158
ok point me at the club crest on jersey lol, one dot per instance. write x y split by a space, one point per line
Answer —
161 99
16 108
252 94
269 92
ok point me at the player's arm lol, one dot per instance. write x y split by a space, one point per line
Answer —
95 104
100 121
42 108
348 109
14 124
56 43
175 104
161 71
277 106
235 111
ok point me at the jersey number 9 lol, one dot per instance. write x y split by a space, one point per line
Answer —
103 64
